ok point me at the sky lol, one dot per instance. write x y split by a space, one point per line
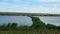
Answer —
30 6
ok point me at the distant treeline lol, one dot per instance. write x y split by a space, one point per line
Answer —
37 24
27 14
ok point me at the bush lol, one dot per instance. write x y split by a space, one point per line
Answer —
51 26
37 23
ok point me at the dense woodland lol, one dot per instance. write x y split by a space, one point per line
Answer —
37 24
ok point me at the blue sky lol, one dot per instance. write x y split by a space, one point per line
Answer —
30 6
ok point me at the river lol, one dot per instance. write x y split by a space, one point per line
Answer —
25 20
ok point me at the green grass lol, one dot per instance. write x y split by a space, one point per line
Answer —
42 31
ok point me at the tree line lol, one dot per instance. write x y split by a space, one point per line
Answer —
37 24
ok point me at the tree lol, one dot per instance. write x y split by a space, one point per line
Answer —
9 25
58 27
14 25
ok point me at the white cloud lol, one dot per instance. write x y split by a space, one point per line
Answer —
32 9
42 10
53 5
36 9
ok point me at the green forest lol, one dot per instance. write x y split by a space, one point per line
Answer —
37 27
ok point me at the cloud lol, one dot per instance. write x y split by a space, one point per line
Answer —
29 8
52 5
5 7
42 10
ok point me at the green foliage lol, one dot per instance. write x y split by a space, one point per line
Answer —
14 26
37 23
3 27
9 26
51 26
24 27
58 27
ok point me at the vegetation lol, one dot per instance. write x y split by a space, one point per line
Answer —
27 14
37 23
38 27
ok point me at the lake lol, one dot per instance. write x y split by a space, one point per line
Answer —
25 20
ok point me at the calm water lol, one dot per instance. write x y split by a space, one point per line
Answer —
50 19
24 20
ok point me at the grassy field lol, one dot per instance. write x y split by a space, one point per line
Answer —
42 31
